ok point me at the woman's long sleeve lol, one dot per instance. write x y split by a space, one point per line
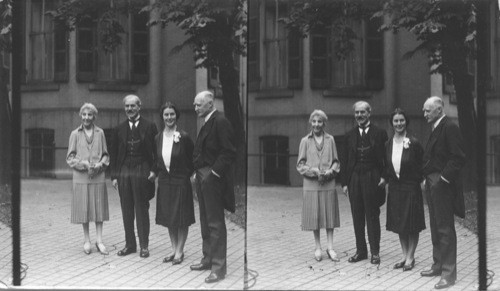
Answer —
104 149
72 157
335 158
302 167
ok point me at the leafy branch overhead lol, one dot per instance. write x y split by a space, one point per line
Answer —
5 25
441 26
214 28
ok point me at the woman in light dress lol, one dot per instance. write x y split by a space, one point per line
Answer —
318 163
88 156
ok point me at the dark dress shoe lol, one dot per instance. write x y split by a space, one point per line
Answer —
430 273
168 258
443 283
200 267
357 257
399 265
213 277
375 259
144 253
126 251
178 261
409 267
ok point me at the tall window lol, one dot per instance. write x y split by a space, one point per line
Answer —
129 61
275 155
41 152
281 53
47 49
361 69
275 45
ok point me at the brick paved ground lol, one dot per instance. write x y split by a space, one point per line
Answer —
282 256
52 248
280 253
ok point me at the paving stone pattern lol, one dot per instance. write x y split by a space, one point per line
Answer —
52 247
281 255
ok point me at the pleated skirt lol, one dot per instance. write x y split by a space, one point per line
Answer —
174 203
89 203
320 209
405 208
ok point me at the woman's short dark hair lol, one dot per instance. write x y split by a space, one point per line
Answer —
170 105
402 112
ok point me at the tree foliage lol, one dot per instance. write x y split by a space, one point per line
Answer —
310 15
215 29
5 25
445 29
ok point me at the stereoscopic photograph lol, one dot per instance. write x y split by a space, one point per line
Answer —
250 144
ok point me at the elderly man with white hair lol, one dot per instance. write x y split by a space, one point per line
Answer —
213 155
443 159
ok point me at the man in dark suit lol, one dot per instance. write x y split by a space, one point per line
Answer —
362 166
443 159
214 152
132 159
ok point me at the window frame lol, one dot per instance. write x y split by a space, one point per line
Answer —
59 66
372 41
135 74
257 76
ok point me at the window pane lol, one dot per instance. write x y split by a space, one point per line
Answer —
140 22
319 46
141 64
348 72
85 39
114 65
141 43
275 45
85 62
319 69
41 41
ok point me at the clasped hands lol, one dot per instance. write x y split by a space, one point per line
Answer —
92 169
324 176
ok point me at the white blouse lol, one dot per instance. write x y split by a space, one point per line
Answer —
397 153
166 150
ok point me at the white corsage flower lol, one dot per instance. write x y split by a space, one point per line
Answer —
406 142
177 136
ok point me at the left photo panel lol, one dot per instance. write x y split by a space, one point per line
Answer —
132 144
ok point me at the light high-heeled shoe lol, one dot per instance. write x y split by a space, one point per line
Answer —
332 255
101 248
86 247
317 255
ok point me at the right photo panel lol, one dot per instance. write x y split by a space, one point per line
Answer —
363 144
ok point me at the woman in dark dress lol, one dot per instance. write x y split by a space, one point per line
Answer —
405 207
174 167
